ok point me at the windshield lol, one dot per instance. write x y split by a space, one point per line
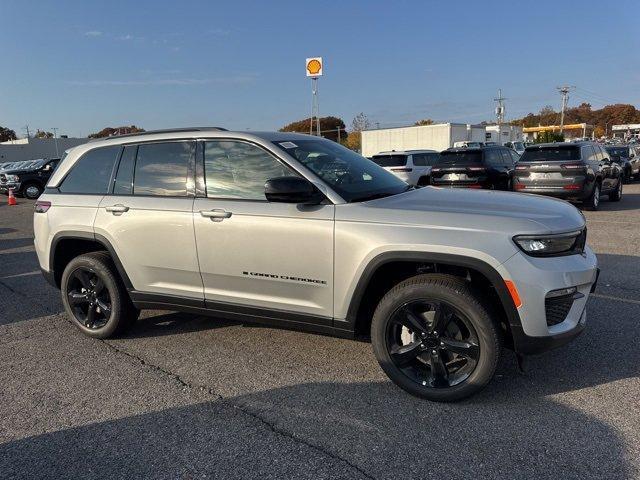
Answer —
551 154
454 157
518 145
618 151
390 160
352 176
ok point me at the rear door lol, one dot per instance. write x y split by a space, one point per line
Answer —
608 169
148 218
463 168
254 253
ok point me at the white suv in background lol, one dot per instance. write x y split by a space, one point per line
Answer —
411 166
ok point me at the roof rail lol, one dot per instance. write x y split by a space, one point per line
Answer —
168 130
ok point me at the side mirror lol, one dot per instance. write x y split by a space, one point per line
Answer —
292 190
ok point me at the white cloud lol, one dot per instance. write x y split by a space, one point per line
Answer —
93 33
125 37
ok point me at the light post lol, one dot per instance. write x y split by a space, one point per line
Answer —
55 137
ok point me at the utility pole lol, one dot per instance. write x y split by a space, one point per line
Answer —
26 127
55 138
500 114
564 91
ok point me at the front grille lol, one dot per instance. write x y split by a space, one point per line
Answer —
557 309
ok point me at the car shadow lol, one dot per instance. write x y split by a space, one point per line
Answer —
331 430
11 243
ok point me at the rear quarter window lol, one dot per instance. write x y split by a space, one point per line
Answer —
91 173
390 160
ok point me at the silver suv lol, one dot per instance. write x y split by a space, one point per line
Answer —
297 231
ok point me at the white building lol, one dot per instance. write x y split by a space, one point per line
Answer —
430 137
626 131
32 148
508 133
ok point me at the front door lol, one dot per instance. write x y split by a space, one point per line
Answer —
253 253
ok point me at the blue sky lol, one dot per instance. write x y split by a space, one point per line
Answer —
80 66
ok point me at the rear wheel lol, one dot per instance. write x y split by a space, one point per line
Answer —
593 202
433 338
616 195
94 297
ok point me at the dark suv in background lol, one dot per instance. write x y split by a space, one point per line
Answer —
489 167
28 178
579 171
625 156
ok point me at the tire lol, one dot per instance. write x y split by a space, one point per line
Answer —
462 315
90 283
593 202
423 181
616 195
31 191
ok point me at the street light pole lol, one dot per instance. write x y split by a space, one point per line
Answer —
55 137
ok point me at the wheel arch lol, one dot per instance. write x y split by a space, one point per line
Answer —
67 245
413 263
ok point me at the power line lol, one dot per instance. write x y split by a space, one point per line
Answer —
564 91
500 108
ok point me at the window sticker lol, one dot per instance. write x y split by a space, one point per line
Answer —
288 145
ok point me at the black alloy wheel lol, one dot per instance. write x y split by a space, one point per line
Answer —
433 343
89 298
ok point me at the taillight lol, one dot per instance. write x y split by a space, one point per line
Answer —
520 186
435 169
475 169
42 206
572 187
402 169
572 166
521 167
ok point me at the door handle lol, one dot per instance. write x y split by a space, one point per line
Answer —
216 215
117 209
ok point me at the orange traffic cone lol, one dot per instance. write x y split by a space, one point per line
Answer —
12 197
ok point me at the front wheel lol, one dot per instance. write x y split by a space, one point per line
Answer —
433 338
94 297
32 191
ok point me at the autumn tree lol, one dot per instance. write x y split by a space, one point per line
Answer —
423 122
43 134
111 131
330 127
7 134
359 123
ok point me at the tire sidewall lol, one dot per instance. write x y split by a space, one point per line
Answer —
106 275
485 329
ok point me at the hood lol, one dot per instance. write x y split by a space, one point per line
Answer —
474 209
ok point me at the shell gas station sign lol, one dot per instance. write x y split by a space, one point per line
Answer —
314 67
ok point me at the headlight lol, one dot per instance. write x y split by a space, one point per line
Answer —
12 178
549 245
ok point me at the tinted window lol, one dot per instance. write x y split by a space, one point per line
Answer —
514 156
506 157
162 168
551 153
352 176
600 155
123 184
425 159
92 172
493 157
239 170
618 151
453 157
392 160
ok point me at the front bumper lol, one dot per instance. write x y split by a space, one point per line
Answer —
4 187
535 278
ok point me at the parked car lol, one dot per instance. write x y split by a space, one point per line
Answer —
411 166
574 171
627 157
468 144
517 146
298 231
486 167
27 178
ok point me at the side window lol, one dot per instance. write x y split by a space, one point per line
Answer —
420 160
123 184
162 169
514 157
493 157
506 157
92 172
235 169
432 158
602 153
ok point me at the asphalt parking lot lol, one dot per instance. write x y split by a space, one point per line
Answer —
183 396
